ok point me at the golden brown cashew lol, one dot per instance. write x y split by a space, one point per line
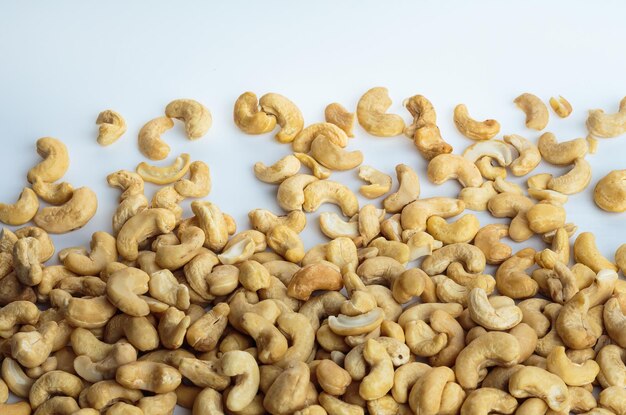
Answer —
470 128
529 155
103 394
21 211
167 174
304 139
371 113
290 195
461 231
561 106
610 192
328 191
586 252
600 124
249 118
287 115
484 401
332 156
149 376
314 277
55 161
196 117
336 114
279 171
532 381
408 189
415 214
536 111
111 126
145 224
243 367
17 408
150 143
620 258
450 166
72 215
511 280
573 374
563 153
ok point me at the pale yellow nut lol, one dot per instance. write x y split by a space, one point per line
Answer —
610 192
491 318
537 115
287 115
199 182
55 161
593 144
489 169
334 157
73 214
279 171
21 211
290 194
333 226
532 381
561 106
429 142
422 111
600 124
53 383
53 193
497 150
243 367
167 174
150 143
586 252
380 183
408 189
248 116
476 198
148 376
328 191
316 168
545 217
336 114
304 139
147 223
415 214
450 166
197 117
573 374
470 128
372 114
286 242
563 153
529 155
350 326
462 230
111 126
379 380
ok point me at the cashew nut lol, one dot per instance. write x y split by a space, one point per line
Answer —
536 111
563 153
610 192
150 143
147 223
333 156
22 211
327 191
111 126
371 113
529 155
279 171
336 114
73 214
165 175
287 115
587 253
561 106
290 195
304 139
600 124
316 168
532 381
470 128
408 189
249 118
196 117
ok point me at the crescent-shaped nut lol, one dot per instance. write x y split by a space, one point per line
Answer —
488 240
336 114
73 214
450 166
249 118
199 182
408 189
333 226
328 191
574 181
145 224
55 161
600 124
167 174
415 214
529 155
354 325
461 231
561 106
532 381
53 193
111 126
563 153
304 139
279 171
310 278
470 128
422 111
372 114
483 313
610 192
586 252
21 211
150 143
287 115
537 115
497 150
333 156
290 195
316 168
123 289
197 117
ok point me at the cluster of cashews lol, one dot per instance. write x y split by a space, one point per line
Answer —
169 310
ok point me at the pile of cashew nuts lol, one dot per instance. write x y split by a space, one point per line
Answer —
395 314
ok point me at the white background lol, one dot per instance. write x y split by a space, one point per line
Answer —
63 62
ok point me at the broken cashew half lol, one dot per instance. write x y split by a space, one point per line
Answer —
197 118
537 115
167 174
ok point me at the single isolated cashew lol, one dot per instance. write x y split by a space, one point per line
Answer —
561 154
279 171
199 182
415 214
111 126
55 161
196 117
73 214
287 114
483 313
150 143
304 139
380 183
167 174
450 166
335 113
22 211
574 181
249 118
610 192
470 128
408 189
290 195
334 157
600 124
586 252
529 155
145 224
461 231
537 115
328 191
561 106
371 113
316 168
532 381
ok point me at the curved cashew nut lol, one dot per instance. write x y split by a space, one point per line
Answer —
450 166
150 376
55 161
263 220
371 113
249 118
563 153
334 157
483 313
586 252
487 239
303 141
314 277
461 231
470 128
150 143
196 117
204 333
422 111
415 214
53 383
18 313
286 242
271 343
53 193
111 126
336 114
561 106
436 392
279 171
497 150
532 381
379 380
472 258
620 258
199 182
241 365
600 124
316 168
529 155
22 211
545 217
73 214
176 256
89 313
212 222
145 224
423 340
290 195
573 374
289 391
537 115
26 253
511 280
354 325
124 288
574 181
328 191
408 189
488 170
476 198
613 398
484 401
129 182
164 286
610 192
514 206
167 174
287 115
103 251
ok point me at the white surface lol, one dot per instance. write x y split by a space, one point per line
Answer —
63 62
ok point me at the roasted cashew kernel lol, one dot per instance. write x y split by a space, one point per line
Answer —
290 195
55 161
316 168
287 115
150 143
304 139
561 106
610 192
196 117
279 171
328 191
529 155
21 211
336 114
249 118
461 231
586 252
371 113
532 381
600 124
165 175
333 156
73 214
408 189
470 128
563 153
536 111
111 126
